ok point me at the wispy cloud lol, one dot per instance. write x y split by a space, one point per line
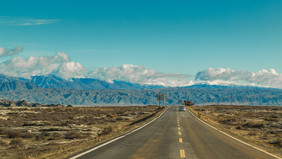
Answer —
37 22
25 21
10 52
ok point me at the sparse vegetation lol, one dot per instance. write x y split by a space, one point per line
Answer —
57 132
106 131
260 125
16 143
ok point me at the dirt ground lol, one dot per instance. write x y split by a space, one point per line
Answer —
258 125
57 132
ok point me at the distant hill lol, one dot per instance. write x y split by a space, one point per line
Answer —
247 96
86 91
11 83
51 81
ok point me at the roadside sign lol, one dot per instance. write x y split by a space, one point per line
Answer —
161 97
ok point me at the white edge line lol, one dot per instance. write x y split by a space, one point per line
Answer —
115 139
233 137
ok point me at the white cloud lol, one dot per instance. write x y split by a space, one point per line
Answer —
264 78
59 65
139 74
10 52
4 20
29 22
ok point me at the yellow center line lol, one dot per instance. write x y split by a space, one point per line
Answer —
180 140
179 133
178 128
182 153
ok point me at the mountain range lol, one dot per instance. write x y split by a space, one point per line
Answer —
86 91
51 81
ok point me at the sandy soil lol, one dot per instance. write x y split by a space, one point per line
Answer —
57 132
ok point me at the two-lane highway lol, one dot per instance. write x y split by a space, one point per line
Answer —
176 134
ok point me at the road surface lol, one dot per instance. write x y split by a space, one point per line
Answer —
176 134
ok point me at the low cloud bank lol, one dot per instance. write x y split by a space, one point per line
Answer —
264 78
139 74
61 65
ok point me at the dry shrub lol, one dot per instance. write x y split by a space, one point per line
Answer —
41 136
271 119
119 118
73 135
252 133
276 142
63 124
3 143
254 125
33 124
17 142
53 129
4 123
57 136
109 116
106 131
3 131
238 127
113 120
27 135
227 121
13 134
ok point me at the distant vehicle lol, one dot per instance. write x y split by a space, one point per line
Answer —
181 108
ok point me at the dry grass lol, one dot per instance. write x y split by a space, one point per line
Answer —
259 125
57 132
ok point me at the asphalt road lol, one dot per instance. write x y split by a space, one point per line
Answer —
176 134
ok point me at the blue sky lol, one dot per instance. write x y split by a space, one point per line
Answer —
169 36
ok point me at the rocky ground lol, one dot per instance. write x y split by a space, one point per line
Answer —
260 125
57 132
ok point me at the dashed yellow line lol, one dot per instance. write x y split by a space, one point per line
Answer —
179 133
182 153
180 140
178 128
